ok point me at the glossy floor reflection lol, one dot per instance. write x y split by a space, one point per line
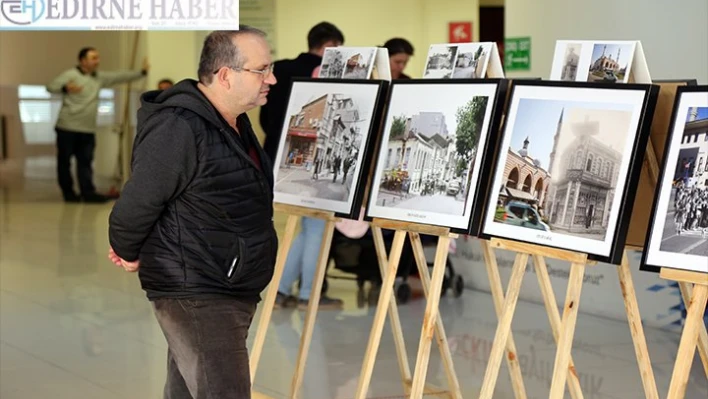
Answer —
74 326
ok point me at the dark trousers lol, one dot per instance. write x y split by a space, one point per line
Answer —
207 354
81 146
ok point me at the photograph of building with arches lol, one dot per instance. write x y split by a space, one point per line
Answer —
610 62
562 166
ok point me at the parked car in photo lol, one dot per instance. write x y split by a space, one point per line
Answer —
519 213
453 188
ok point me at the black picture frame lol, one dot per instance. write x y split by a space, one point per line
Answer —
468 222
614 241
652 259
349 208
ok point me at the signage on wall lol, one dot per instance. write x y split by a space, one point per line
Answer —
459 32
111 15
517 54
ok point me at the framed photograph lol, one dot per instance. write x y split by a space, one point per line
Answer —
568 165
327 142
435 151
678 229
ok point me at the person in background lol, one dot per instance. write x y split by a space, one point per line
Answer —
272 113
399 52
302 259
196 216
76 124
165 84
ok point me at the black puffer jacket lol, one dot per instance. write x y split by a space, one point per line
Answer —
197 210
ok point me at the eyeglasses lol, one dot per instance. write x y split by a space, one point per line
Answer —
265 72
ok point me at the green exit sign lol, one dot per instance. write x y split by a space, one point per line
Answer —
517 54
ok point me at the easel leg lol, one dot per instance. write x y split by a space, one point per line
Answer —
452 382
269 302
702 334
495 284
429 319
636 328
504 327
312 307
385 300
567 331
549 299
694 322
396 329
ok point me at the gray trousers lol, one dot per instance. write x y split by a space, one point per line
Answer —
207 355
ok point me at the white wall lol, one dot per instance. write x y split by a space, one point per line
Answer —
674 34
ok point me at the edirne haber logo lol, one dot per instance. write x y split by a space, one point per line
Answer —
118 14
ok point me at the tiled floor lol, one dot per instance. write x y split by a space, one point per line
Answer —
74 326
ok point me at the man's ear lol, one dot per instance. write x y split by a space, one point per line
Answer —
222 77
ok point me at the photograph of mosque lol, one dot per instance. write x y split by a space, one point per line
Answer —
609 62
563 173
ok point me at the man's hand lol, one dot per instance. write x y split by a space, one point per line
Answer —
146 64
72 87
120 262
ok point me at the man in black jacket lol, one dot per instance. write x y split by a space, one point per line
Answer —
196 216
272 114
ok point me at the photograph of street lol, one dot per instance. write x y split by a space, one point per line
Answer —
321 148
472 60
609 62
432 137
347 62
686 217
562 166
440 61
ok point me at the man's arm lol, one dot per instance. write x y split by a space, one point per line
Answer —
57 86
111 78
164 162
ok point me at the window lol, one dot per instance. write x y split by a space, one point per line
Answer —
700 167
518 212
39 110
588 167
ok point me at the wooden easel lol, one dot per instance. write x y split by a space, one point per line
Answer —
694 288
539 262
432 323
563 329
294 214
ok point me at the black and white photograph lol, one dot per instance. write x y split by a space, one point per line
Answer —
472 60
326 134
679 232
429 160
571 60
440 62
347 62
561 177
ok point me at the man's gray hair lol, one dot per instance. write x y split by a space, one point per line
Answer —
220 51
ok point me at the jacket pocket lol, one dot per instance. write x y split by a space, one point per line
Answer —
236 261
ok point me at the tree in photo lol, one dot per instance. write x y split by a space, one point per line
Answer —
470 119
399 132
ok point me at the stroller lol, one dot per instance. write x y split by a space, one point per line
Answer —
358 257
